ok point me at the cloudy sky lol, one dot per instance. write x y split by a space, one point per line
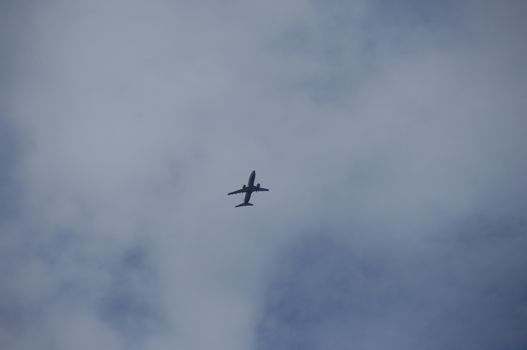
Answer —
392 136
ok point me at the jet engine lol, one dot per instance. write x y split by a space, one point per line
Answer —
257 187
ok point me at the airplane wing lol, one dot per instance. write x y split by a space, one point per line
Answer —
242 190
260 189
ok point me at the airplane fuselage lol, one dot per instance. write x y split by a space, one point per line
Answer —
250 187
251 180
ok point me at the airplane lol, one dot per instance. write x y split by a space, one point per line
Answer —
248 190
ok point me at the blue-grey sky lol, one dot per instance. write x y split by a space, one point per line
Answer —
392 135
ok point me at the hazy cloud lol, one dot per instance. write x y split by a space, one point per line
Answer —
391 135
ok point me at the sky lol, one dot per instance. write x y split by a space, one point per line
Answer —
391 135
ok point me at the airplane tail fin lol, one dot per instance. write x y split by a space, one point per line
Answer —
244 205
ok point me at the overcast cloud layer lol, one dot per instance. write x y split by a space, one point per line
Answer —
392 135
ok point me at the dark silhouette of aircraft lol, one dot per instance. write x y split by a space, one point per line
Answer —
248 190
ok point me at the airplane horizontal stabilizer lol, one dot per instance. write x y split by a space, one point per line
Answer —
244 205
